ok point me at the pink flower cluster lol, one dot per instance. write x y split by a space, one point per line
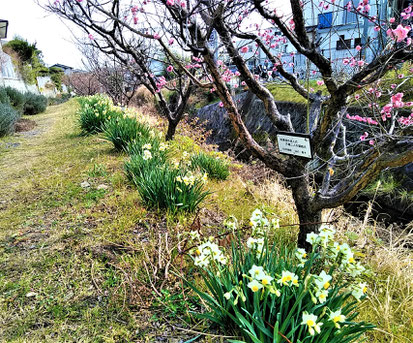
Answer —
407 121
367 120
399 33
193 66
135 9
197 59
270 38
363 6
172 2
160 84
352 62
407 13
396 101
324 5
227 75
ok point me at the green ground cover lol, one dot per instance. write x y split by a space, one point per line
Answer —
82 259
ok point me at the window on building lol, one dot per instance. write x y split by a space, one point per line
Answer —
343 43
325 20
357 41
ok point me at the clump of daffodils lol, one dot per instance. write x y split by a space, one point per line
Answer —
207 253
255 276
147 155
341 256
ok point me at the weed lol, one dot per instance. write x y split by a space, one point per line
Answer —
98 170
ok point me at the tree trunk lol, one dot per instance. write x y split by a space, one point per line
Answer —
309 222
309 215
171 130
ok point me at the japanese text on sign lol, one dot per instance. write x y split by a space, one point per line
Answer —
294 145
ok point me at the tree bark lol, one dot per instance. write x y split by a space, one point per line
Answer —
309 215
309 222
171 130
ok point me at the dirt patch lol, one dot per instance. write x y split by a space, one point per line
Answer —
24 125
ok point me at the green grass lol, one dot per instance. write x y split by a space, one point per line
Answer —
285 92
81 264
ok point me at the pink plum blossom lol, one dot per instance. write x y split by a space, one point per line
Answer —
364 136
396 100
399 33
244 49
170 69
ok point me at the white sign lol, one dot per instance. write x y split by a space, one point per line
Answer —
294 144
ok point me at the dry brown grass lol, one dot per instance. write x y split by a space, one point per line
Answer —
387 252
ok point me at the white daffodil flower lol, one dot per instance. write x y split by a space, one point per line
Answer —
254 285
322 281
311 321
256 272
359 291
312 238
288 279
147 155
337 318
322 296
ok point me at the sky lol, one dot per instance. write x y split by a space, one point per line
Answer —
53 37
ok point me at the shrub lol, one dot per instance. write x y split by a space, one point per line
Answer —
213 166
272 294
34 103
8 117
94 111
122 130
163 187
59 99
4 98
17 99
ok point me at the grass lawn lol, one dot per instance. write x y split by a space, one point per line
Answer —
82 259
